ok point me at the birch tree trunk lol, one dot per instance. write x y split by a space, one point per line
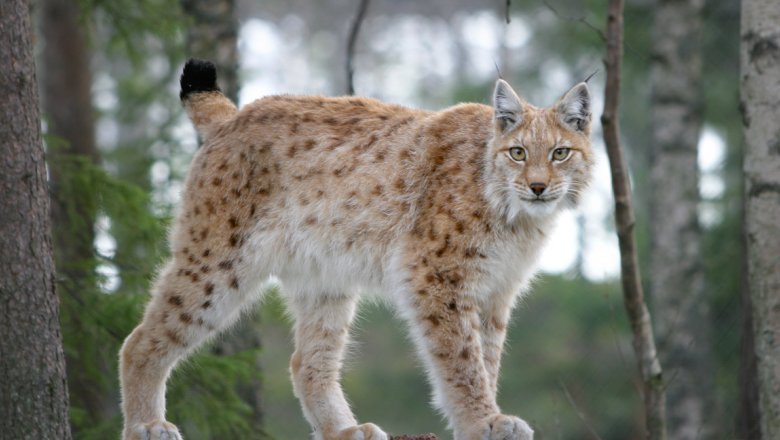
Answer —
33 391
677 282
760 102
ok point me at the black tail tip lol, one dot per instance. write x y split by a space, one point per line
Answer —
198 76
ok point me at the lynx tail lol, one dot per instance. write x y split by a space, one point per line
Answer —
204 102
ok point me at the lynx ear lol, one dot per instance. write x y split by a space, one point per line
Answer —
574 108
507 106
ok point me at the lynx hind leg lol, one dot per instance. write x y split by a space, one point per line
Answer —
187 307
321 333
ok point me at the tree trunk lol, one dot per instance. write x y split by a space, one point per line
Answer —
748 420
67 105
760 102
213 36
33 389
677 285
653 391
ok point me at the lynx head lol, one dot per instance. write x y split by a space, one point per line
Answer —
539 160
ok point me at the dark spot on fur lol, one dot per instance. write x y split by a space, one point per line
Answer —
185 318
194 277
234 282
452 305
209 289
217 181
174 337
444 247
206 304
233 239
309 144
433 319
205 268
175 300
265 147
233 221
465 353
206 253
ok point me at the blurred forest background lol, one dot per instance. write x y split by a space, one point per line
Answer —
118 146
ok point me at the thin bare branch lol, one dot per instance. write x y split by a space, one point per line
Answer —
351 39
633 296
580 19
579 412
506 11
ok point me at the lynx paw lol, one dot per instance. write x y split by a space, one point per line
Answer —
499 427
366 431
157 430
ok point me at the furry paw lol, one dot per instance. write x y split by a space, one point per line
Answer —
157 430
498 427
366 431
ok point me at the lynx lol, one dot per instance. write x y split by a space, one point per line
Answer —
444 213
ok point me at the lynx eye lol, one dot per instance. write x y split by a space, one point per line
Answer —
561 153
517 153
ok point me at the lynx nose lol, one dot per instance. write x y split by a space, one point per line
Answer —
538 188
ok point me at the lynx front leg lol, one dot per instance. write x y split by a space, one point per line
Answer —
494 318
446 325
321 333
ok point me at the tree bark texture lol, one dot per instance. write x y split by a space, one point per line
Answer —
760 102
67 106
677 284
633 296
213 35
748 419
33 389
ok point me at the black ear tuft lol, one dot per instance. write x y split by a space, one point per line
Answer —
198 76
